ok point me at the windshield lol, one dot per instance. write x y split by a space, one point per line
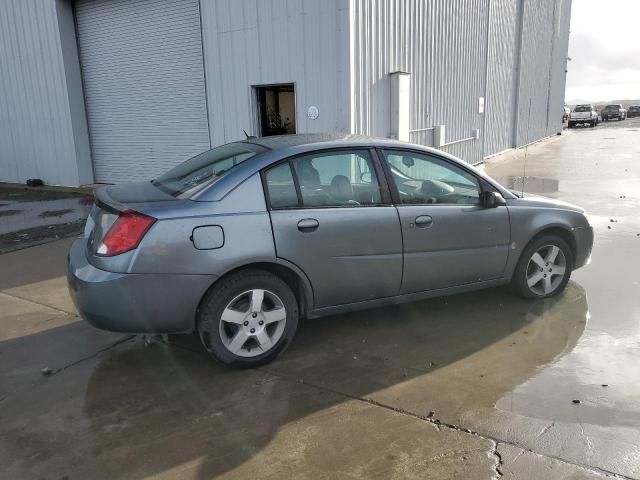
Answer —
199 171
634 107
582 109
612 107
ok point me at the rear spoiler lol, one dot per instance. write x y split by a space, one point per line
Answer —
105 201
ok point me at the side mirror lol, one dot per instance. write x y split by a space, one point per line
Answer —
491 199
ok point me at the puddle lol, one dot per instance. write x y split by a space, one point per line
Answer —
531 184
600 372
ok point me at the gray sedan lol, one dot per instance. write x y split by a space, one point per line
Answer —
241 241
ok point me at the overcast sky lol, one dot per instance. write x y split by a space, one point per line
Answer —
604 66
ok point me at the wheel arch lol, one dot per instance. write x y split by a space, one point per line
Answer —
558 230
291 274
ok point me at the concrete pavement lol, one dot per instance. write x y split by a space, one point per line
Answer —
480 385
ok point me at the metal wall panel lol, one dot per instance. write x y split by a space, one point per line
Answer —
501 75
144 85
562 21
36 131
443 44
538 28
456 52
259 42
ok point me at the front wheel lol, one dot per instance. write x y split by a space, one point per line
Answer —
248 319
544 268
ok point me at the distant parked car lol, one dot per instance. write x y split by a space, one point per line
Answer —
634 111
241 241
616 111
583 114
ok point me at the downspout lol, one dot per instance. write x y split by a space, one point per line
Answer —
518 83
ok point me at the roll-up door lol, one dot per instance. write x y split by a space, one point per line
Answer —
144 85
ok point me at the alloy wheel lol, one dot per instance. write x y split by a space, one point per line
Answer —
546 270
252 323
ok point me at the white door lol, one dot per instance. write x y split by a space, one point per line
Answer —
144 85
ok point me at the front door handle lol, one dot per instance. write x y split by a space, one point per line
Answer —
308 225
423 221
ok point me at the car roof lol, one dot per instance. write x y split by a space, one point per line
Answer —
279 142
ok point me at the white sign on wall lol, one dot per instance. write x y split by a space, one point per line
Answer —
313 112
480 104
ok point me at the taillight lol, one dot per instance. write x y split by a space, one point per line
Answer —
125 234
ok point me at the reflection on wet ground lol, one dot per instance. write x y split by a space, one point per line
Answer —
171 404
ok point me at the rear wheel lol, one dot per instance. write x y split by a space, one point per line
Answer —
544 268
248 319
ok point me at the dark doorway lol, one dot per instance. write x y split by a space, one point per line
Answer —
277 104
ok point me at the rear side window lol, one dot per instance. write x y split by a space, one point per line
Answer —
337 179
343 178
280 187
191 176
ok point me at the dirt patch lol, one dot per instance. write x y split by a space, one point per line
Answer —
8 213
35 236
43 208
28 194
55 213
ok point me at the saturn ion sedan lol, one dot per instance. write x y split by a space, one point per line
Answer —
241 241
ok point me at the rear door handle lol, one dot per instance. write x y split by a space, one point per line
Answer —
423 221
308 225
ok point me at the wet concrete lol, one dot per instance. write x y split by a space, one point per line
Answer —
472 386
29 216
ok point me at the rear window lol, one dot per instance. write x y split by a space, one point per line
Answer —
582 109
191 176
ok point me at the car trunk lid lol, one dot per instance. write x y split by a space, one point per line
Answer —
112 200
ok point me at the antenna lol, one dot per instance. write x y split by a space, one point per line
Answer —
526 149
249 137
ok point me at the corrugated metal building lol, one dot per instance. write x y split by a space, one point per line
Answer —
116 90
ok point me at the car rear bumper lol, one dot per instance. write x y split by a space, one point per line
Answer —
584 245
134 303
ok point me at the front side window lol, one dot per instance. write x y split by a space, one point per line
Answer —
425 179
337 179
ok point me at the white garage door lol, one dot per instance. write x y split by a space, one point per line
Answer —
144 85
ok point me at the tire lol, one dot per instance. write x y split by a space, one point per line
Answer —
570 125
233 298
592 124
528 268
